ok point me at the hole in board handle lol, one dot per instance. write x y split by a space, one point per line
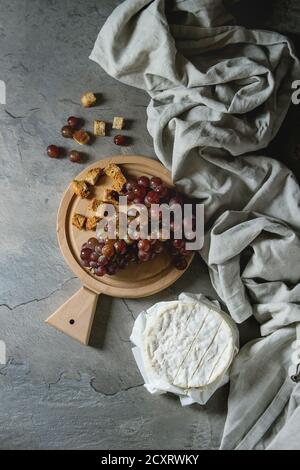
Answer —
72 321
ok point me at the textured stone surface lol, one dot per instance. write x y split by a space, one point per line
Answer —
55 393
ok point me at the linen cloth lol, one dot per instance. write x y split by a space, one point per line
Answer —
219 91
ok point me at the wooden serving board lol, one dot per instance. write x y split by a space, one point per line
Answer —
75 317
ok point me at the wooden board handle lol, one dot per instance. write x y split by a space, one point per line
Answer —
75 317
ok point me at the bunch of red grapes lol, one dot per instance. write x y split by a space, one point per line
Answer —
107 256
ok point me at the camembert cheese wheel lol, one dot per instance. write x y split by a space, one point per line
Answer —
188 344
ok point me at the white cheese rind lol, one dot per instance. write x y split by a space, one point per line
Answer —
187 344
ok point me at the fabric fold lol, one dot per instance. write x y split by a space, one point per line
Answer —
217 92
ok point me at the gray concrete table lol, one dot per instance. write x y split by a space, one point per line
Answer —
55 393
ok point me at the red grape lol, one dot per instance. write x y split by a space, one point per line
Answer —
130 196
67 132
152 198
174 251
93 264
74 156
158 247
120 140
122 263
139 192
138 200
73 121
103 260
92 243
185 252
98 248
94 256
143 255
130 257
108 250
53 151
180 263
86 253
120 247
162 191
111 269
85 263
178 244
144 182
131 185
110 241
107 256
155 181
144 245
100 271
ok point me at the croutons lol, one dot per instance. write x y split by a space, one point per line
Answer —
95 203
110 195
81 137
99 128
79 221
119 182
116 174
91 222
112 170
81 188
118 123
92 176
88 99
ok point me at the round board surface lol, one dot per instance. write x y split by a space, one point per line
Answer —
137 280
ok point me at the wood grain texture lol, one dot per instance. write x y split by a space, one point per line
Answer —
75 317
137 280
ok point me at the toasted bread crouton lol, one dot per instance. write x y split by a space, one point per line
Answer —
82 137
112 170
118 123
95 203
91 177
99 128
110 195
88 99
118 182
81 188
116 174
91 222
100 207
79 221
